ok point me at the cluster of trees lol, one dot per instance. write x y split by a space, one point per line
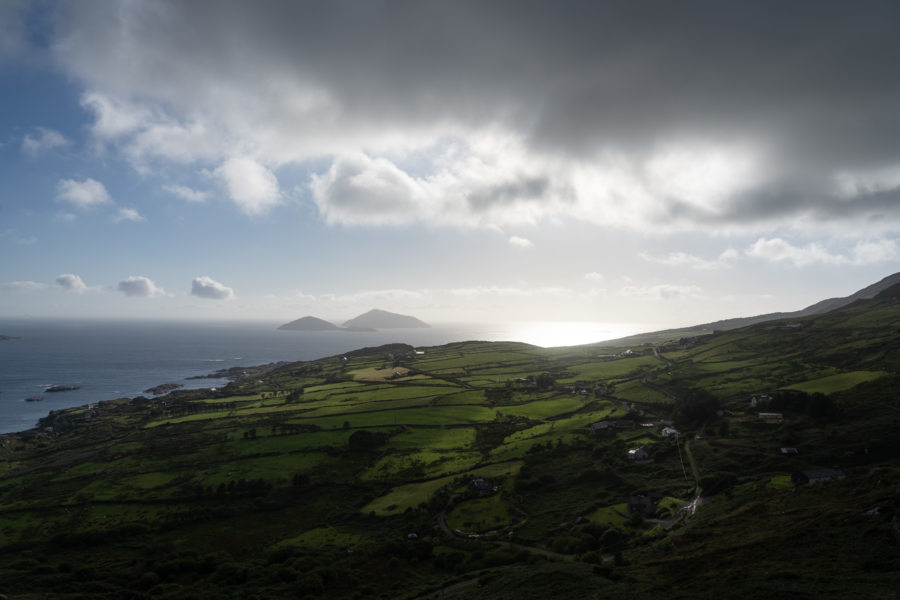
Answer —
239 488
695 408
816 405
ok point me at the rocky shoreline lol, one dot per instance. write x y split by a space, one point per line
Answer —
163 388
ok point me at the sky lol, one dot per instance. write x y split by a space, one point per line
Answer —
634 162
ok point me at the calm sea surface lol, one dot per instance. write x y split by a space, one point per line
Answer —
115 359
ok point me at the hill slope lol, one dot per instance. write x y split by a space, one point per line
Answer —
820 307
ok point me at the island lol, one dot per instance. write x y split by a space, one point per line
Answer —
317 324
309 324
62 388
34 399
382 319
9 337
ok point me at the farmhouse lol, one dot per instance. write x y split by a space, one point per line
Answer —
760 398
670 432
638 454
789 451
816 476
767 416
482 487
602 428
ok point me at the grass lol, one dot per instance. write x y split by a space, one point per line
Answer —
837 383
480 514
413 494
322 537
610 515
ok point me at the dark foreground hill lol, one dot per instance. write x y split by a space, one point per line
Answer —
483 471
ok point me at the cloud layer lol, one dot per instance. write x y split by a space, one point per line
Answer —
631 115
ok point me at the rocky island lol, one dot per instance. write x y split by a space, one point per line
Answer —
62 388
317 324
382 319
309 324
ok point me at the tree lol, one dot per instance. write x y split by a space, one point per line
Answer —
696 408
361 440
820 406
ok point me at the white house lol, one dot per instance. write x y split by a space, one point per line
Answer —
638 454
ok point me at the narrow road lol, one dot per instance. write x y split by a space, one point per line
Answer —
693 463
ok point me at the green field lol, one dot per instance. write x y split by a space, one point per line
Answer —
836 383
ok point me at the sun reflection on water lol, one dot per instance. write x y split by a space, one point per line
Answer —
549 334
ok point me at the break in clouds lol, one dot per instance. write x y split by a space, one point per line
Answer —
659 115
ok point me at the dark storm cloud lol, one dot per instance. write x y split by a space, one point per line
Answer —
813 86
527 188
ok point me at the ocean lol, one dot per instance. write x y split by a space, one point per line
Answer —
116 359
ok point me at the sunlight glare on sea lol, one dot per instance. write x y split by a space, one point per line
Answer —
549 334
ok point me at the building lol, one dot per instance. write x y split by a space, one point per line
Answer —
817 476
602 428
670 432
638 454
482 487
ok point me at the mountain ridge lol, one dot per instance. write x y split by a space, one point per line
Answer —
821 307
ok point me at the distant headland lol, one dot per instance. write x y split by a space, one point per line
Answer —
371 321
9 337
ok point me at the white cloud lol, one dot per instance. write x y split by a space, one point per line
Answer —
682 259
510 291
82 194
21 286
140 287
361 190
252 187
186 193
520 242
206 287
867 253
594 276
662 291
129 214
71 283
28 241
863 253
43 141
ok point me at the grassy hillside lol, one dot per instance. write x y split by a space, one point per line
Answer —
356 476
